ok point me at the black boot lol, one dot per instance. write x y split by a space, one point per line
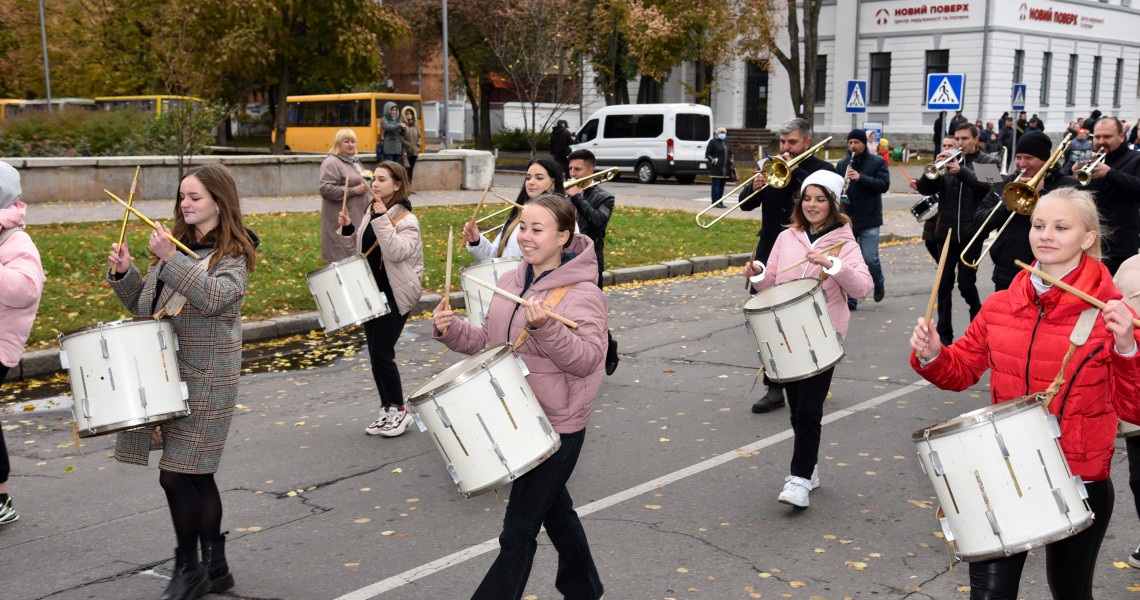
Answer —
214 562
771 401
189 580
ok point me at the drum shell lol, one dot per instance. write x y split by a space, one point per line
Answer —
477 298
346 294
123 374
793 330
487 440
1025 494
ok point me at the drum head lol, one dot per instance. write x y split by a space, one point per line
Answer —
782 294
108 325
459 373
981 416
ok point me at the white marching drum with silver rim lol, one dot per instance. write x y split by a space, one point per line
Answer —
477 298
794 331
485 420
925 209
346 294
1002 480
124 374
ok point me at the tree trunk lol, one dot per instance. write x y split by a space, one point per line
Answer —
281 117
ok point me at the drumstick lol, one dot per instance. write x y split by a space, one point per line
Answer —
151 223
505 293
447 276
1068 288
937 278
507 200
805 259
475 214
130 201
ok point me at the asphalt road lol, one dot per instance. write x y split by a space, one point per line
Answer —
677 483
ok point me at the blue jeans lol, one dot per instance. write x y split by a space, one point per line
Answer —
538 499
717 188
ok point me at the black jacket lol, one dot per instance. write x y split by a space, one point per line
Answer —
594 207
1117 198
1013 243
958 197
777 203
722 152
865 195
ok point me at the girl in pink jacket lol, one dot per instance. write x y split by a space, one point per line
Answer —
566 368
817 223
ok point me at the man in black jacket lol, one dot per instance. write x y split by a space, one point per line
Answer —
867 178
959 194
560 140
1033 150
777 204
1116 188
594 206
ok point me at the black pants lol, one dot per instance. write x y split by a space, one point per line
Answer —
805 401
5 468
382 333
1069 563
967 286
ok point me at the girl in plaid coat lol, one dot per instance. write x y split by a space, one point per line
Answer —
203 300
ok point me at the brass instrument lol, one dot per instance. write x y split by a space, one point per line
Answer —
778 172
601 176
937 169
1084 174
1019 197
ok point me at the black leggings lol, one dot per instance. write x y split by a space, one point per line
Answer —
382 333
195 506
805 404
1069 563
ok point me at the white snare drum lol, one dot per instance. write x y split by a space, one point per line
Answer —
925 209
1002 479
477 297
1124 429
485 420
346 294
794 330
124 374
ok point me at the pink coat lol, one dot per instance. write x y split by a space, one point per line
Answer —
565 364
21 284
853 277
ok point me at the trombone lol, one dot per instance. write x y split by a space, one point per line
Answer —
1019 197
1084 174
601 176
937 169
777 170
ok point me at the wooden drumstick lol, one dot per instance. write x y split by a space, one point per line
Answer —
937 278
447 275
130 202
507 200
805 259
1068 288
475 214
506 294
151 223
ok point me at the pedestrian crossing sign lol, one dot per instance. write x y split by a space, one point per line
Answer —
856 96
944 91
1019 96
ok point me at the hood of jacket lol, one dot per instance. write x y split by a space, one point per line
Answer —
13 216
1090 276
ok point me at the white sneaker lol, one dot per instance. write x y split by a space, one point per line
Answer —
378 425
397 422
796 491
815 477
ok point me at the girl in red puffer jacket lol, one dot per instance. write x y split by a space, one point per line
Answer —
1022 335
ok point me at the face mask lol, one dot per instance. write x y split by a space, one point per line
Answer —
721 136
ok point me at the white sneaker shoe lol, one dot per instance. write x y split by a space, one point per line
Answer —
815 477
796 491
397 422
378 425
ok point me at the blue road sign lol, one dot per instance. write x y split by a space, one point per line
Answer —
856 96
1019 96
944 91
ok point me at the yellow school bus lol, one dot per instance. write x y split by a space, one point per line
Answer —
154 103
313 121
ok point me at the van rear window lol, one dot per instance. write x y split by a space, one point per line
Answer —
693 127
634 126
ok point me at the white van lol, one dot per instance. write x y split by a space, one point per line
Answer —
649 139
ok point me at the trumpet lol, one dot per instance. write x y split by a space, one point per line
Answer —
778 173
1017 196
1084 174
937 169
600 176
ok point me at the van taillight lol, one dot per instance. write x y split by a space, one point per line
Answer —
669 149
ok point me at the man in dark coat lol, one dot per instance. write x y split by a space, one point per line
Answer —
560 140
867 179
777 204
1116 188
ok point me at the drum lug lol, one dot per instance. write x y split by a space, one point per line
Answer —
63 359
545 425
419 422
498 388
1061 504
936 463
161 340
993 522
1054 427
454 474
1084 492
946 531
442 414
185 390
103 345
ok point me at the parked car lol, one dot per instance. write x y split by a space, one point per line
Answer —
649 140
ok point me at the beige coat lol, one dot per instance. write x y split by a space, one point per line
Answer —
403 253
333 173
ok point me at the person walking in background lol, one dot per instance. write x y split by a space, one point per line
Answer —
391 146
719 155
21 285
867 179
560 140
340 170
411 140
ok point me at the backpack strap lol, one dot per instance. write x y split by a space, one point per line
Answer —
552 300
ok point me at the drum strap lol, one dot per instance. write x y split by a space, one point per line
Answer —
507 231
552 300
377 242
9 231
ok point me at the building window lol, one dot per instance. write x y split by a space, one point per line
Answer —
937 61
1119 79
1071 91
1096 81
821 79
880 92
1046 66
1018 65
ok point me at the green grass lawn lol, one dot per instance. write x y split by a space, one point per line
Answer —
75 259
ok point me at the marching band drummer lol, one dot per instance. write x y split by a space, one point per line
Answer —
559 271
203 300
777 204
817 222
392 233
1021 335
339 170
542 176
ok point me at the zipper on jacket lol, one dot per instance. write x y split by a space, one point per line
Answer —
1029 353
1073 380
